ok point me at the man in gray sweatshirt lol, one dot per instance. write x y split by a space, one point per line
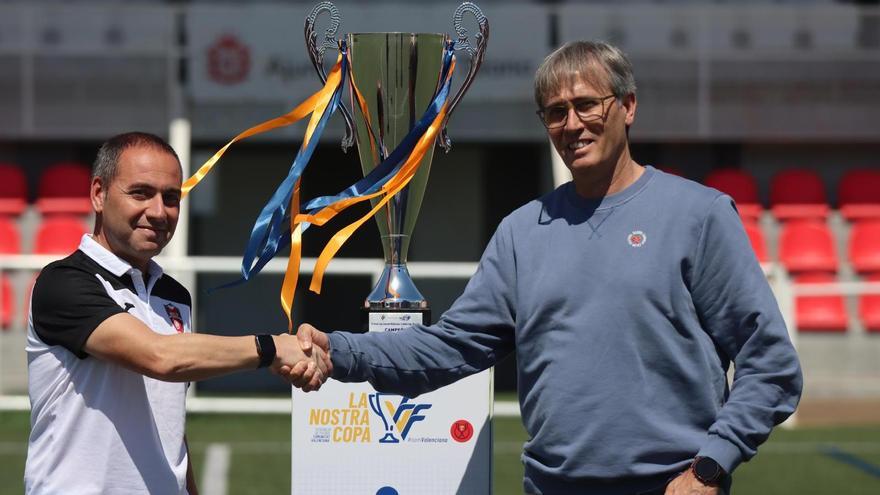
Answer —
626 295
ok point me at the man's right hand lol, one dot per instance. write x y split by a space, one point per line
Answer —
313 342
303 366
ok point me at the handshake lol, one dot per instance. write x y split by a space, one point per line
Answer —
303 360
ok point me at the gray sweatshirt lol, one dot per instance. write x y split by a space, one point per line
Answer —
625 314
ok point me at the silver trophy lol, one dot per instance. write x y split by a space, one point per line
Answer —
397 75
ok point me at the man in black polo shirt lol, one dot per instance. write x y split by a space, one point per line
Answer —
110 348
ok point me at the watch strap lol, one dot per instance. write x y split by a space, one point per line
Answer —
265 349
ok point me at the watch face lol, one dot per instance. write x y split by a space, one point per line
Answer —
707 470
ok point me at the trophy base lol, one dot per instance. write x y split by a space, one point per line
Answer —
392 320
389 438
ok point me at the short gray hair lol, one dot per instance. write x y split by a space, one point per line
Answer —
580 60
107 162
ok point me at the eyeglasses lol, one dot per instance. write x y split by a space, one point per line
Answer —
587 109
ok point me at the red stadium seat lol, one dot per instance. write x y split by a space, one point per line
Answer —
10 241
756 237
59 234
798 194
7 303
864 246
826 313
13 189
859 194
9 244
869 308
739 185
64 188
806 246
749 212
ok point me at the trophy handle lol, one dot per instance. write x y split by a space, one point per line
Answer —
316 55
476 55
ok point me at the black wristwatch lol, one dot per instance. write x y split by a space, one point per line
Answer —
265 349
708 471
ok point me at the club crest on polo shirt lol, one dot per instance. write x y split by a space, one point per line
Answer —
636 238
174 316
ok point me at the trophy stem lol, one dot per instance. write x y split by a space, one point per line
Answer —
395 303
395 291
395 248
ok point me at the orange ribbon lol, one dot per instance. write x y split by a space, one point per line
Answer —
311 105
291 276
365 112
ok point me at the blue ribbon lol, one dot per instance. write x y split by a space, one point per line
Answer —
270 232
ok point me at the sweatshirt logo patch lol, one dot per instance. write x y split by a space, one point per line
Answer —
636 238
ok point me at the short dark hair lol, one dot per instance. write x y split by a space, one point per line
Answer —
585 60
107 162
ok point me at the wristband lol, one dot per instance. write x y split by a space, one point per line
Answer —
265 349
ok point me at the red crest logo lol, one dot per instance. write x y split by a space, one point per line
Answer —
636 238
174 316
229 60
461 431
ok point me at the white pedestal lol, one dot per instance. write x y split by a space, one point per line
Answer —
347 439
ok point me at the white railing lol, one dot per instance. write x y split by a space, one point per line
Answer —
186 268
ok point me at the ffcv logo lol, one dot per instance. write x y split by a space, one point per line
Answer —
399 417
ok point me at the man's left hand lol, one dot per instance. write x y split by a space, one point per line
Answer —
688 484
